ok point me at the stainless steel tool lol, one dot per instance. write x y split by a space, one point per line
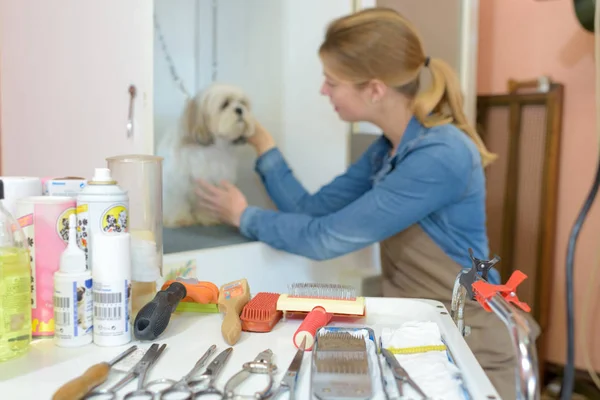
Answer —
288 383
262 364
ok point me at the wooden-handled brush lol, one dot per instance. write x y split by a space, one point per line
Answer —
233 297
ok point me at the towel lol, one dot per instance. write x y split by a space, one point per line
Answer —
419 349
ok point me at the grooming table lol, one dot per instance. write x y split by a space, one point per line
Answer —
38 374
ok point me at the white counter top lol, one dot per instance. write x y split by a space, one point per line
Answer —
38 374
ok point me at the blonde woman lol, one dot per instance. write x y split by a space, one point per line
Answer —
419 190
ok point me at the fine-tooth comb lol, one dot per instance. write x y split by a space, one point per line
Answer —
341 341
340 367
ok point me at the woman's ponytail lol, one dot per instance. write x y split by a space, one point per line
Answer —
442 103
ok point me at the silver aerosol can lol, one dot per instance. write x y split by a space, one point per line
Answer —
102 206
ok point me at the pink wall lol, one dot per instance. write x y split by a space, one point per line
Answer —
523 39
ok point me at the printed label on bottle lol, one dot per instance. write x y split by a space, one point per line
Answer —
26 223
114 219
111 308
83 234
73 308
99 217
62 224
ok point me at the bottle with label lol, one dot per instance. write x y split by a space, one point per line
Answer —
73 295
111 273
102 206
15 286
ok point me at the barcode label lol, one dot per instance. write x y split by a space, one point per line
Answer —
108 298
112 313
62 302
61 318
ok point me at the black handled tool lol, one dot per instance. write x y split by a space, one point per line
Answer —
152 320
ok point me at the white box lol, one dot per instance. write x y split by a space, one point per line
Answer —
67 186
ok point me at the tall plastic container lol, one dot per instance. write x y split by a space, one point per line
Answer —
141 176
15 286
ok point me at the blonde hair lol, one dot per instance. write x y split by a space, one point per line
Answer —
379 43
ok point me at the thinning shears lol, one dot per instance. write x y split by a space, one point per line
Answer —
206 381
288 383
400 374
188 387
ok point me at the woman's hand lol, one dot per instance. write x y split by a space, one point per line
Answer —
225 201
261 139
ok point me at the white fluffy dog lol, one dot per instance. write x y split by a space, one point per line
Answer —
203 146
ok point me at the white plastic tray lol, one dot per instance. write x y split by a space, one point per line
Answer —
46 367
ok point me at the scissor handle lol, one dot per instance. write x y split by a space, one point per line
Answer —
211 390
177 392
139 394
203 381
108 394
162 381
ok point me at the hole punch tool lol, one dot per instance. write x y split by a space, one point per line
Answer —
263 365
139 371
400 373
288 383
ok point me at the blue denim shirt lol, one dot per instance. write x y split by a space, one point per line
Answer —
435 179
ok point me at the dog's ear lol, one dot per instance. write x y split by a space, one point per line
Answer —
195 124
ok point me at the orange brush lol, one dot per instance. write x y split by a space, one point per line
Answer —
260 314
197 291
321 302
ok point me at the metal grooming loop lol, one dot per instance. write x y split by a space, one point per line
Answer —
497 298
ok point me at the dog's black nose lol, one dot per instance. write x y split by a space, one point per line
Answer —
239 111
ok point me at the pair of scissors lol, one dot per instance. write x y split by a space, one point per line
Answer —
140 370
400 374
155 385
288 383
206 381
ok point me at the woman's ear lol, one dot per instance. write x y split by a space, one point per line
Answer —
377 90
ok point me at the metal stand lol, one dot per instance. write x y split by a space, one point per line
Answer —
497 299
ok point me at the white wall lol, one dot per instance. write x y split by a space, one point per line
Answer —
268 47
65 69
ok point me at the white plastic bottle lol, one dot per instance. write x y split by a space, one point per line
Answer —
111 272
102 206
73 295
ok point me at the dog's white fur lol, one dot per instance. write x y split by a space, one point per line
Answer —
203 146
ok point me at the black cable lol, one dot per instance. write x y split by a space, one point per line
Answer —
569 373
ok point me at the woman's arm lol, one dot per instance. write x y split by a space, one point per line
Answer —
289 195
425 181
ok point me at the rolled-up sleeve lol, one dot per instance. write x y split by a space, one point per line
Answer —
422 183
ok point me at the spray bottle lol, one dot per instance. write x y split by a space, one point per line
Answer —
73 295
102 206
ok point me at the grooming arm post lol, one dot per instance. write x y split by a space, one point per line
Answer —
527 367
496 299
457 308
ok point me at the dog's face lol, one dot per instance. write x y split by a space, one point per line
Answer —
80 293
221 111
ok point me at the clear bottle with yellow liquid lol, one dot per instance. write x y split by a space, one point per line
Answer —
15 286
